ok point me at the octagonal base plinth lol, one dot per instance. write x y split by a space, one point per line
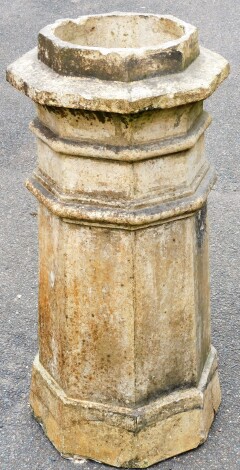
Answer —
127 437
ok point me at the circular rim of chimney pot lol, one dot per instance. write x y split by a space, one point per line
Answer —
45 86
118 46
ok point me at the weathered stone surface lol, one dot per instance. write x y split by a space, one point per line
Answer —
128 185
118 46
119 132
116 298
45 87
126 373
126 437
130 217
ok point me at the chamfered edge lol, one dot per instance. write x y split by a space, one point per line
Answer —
46 87
125 437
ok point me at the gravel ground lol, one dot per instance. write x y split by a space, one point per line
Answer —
22 442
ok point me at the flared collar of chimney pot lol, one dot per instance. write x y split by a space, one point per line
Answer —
118 62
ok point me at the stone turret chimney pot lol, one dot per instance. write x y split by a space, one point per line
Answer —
126 373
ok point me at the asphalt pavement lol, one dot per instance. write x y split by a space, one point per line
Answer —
23 445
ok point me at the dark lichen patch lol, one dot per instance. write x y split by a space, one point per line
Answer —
102 116
25 87
201 225
59 111
179 113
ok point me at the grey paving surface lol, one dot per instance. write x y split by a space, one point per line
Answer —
22 443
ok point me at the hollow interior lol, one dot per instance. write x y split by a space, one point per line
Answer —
120 31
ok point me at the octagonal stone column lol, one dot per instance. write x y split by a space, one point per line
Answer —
126 373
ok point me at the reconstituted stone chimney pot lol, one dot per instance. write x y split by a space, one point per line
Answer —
126 373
